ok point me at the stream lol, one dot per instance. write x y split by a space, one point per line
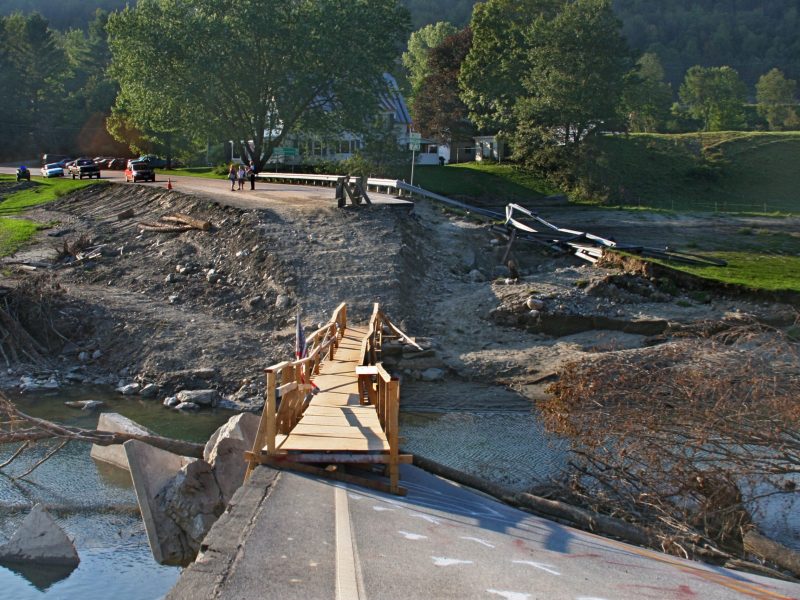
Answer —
93 502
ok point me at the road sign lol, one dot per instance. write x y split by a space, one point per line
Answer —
413 146
284 151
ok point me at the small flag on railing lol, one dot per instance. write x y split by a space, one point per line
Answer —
299 339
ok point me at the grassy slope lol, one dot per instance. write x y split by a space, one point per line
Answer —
725 171
15 231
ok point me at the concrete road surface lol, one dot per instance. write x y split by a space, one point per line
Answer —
290 536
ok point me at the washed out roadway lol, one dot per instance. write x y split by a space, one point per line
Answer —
291 536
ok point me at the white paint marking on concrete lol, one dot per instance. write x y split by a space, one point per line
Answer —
355 496
441 561
548 568
348 584
381 509
509 595
427 518
479 540
412 536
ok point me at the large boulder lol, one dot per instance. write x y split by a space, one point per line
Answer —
153 469
225 450
200 397
40 540
115 453
193 502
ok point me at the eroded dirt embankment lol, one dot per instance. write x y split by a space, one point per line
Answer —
213 308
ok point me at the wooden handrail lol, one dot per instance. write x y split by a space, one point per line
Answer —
295 382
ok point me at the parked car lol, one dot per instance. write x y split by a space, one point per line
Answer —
23 172
53 170
155 161
84 167
139 170
117 163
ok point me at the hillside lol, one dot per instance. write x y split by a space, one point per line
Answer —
732 171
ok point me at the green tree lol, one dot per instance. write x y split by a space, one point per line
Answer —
415 58
647 97
438 110
252 70
715 96
492 74
576 73
34 75
776 100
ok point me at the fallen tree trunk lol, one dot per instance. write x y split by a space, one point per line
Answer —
39 429
776 553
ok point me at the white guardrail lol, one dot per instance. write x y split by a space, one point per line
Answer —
374 184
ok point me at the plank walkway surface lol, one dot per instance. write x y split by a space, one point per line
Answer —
335 419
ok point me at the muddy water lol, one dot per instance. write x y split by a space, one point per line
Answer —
93 502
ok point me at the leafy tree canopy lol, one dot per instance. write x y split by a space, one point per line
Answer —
252 70
438 110
776 98
415 59
492 73
714 95
647 97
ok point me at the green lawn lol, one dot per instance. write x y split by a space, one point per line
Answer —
753 270
15 232
717 171
481 181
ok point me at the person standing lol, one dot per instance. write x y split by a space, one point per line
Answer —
252 174
232 176
240 175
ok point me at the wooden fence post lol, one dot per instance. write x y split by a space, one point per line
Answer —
269 412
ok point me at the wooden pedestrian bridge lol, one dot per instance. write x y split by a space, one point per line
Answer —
337 409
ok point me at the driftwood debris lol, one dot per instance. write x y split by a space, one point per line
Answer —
176 223
16 426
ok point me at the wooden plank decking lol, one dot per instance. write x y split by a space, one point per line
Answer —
335 420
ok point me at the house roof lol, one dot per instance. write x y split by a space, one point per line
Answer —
392 101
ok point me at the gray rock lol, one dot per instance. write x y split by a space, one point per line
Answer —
85 404
171 401
97 354
192 501
187 406
468 259
115 453
83 356
201 397
40 540
432 374
282 301
475 276
212 276
149 391
534 303
129 389
224 451
173 298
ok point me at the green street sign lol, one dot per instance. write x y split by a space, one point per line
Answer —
414 147
284 151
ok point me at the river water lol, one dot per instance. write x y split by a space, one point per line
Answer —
93 502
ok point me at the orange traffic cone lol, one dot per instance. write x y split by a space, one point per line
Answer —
169 183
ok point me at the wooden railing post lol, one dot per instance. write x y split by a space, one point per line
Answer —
392 432
269 412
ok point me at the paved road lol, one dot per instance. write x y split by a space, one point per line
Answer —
264 196
296 537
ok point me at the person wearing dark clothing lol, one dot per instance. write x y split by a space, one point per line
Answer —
251 172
